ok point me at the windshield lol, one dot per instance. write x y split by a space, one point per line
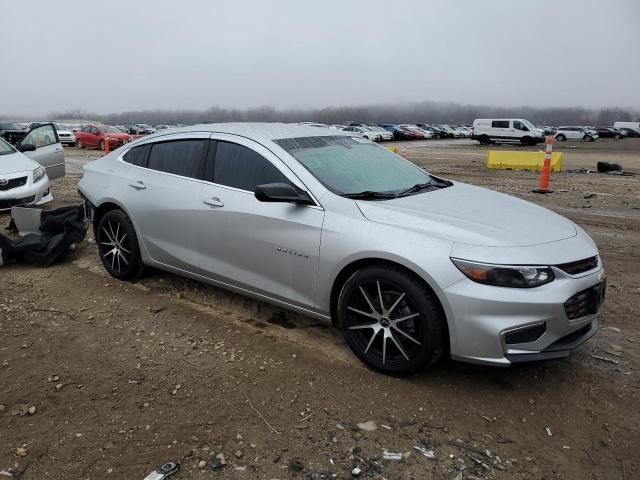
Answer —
5 148
528 124
349 165
105 129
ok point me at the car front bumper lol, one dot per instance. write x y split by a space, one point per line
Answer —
28 194
500 326
67 140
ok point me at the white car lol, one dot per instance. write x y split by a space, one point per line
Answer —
462 132
365 132
576 133
385 134
23 181
65 134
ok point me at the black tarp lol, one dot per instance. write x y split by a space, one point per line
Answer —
59 229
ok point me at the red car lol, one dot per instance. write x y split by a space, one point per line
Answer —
95 136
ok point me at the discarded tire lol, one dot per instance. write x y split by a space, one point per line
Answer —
604 167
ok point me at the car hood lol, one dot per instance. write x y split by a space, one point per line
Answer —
16 162
471 215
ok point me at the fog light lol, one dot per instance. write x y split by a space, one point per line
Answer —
525 334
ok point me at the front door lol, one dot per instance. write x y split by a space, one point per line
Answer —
49 152
268 248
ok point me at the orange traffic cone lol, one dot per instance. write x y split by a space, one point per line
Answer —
106 146
545 173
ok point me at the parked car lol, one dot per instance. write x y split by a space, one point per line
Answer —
462 132
65 135
144 129
422 131
506 130
436 132
385 135
610 132
634 126
23 181
366 132
417 133
629 132
96 136
12 132
400 133
575 133
408 265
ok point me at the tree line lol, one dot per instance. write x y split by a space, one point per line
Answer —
417 112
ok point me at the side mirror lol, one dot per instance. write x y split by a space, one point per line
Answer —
282 192
26 147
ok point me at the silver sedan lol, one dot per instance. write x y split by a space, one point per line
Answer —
409 266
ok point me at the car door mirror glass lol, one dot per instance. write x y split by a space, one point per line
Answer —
281 192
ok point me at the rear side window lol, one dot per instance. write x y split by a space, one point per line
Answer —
180 157
500 124
240 167
136 156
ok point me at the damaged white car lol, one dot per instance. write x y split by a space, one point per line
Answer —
23 181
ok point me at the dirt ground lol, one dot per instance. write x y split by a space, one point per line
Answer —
127 376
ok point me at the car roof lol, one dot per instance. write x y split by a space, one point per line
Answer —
257 131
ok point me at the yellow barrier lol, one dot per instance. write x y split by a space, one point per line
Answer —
393 149
510 160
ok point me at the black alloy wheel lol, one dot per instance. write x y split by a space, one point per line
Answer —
118 245
391 320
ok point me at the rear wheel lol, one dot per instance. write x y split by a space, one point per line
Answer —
390 320
484 140
118 245
101 145
587 138
79 144
561 138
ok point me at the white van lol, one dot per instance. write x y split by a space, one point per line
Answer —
631 125
506 130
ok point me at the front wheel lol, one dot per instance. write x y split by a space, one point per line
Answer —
484 140
561 138
118 245
79 144
391 321
101 145
587 138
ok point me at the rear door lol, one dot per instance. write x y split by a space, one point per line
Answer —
49 152
268 248
163 197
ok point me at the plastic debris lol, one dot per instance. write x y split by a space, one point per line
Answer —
427 453
387 455
163 471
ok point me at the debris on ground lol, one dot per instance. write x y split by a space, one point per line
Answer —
368 426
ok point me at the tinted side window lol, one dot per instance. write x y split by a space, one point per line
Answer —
136 156
500 124
180 157
240 167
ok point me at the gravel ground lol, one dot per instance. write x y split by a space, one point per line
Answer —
126 376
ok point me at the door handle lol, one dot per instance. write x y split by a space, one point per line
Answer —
213 202
139 185
57 150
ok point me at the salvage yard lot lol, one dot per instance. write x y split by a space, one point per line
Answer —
170 369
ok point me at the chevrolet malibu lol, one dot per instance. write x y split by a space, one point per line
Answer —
409 266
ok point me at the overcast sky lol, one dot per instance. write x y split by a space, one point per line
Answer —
121 55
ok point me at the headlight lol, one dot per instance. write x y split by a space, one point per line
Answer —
514 276
38 174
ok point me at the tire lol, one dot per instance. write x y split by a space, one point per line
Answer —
528 141
410 320
618 136
79 144
101 145
484 140
72 144
561 138
587 138
118 245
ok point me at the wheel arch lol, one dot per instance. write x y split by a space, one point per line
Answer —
348 270
111 204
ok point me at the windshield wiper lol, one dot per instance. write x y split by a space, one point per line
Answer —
369 195
418 187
